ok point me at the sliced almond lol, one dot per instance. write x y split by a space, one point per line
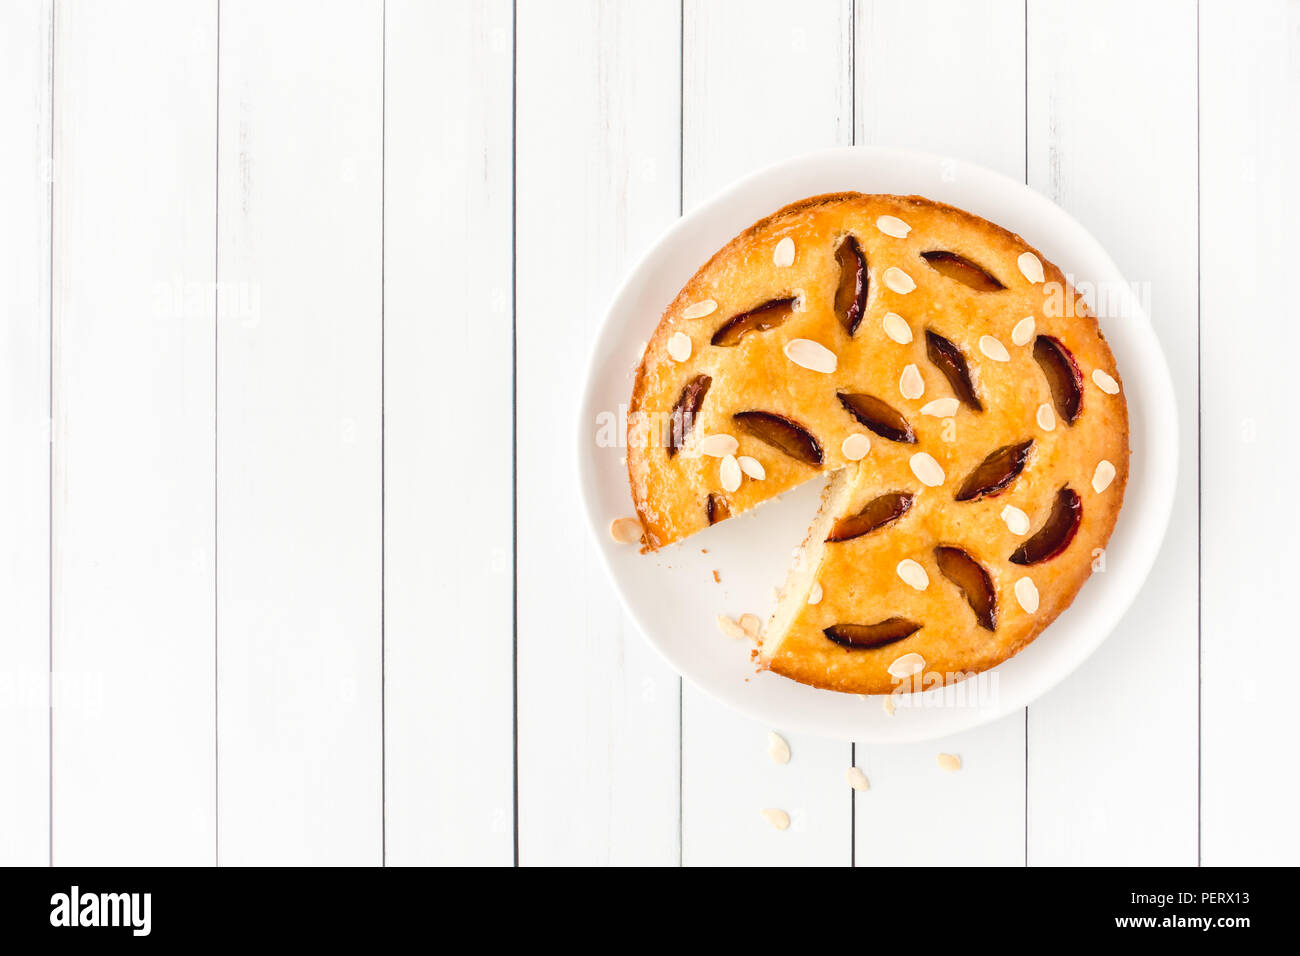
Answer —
928 471
777 748
679 346
730 628
700 309
1023 333
898 280
913 574
625 530
896 328
856 446
1046 417
752 467
718 446
751 625
815 593
887 705
783 254
1105 382
994 349
1027 595
941 408
893 226
1017 521
857 780
810 355
1030 267
778 818
910 383
949 762
729 473
907 665
1103 476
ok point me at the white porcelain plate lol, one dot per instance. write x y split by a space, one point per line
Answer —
672 594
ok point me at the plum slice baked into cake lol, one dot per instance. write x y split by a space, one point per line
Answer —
953 390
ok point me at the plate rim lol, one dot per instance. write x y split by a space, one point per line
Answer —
1156 372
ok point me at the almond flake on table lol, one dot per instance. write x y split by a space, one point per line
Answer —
625 530
857 780
811 355
783 254
729 627
777 747
896 328
700 309
778 818
751 625
893 226
949 762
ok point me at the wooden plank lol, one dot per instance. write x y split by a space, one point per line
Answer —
448 543
967 102
25 112
132 510
597 158
299 419
762 81
1249 87
1112 751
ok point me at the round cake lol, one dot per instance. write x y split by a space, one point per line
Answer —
951 388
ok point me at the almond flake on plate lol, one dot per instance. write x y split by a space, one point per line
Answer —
1103 476
752 467
898 280
893 226
949 762
625 530
810 355
729 627
700 309
729 473
928 471
857 780
815 595
679 346
751 625
777 748
910 383
1023 332
718 446
1027 595
1030 267
913 574
896 328
778 818
1046 417
994 349
783 254
907 665
856 446
941 408
1017 521
1105 382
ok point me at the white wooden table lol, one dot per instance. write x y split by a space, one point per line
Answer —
292 568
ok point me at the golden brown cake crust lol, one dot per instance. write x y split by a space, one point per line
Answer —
859 577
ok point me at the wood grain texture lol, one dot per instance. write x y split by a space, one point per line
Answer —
448 621
298 458
132 510
1250 202
969 102
743 112
1127 717
25 182
597 158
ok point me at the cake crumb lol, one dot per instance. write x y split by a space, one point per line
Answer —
716 579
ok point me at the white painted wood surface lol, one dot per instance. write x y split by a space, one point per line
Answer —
284 253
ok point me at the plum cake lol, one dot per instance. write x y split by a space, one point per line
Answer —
950 387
